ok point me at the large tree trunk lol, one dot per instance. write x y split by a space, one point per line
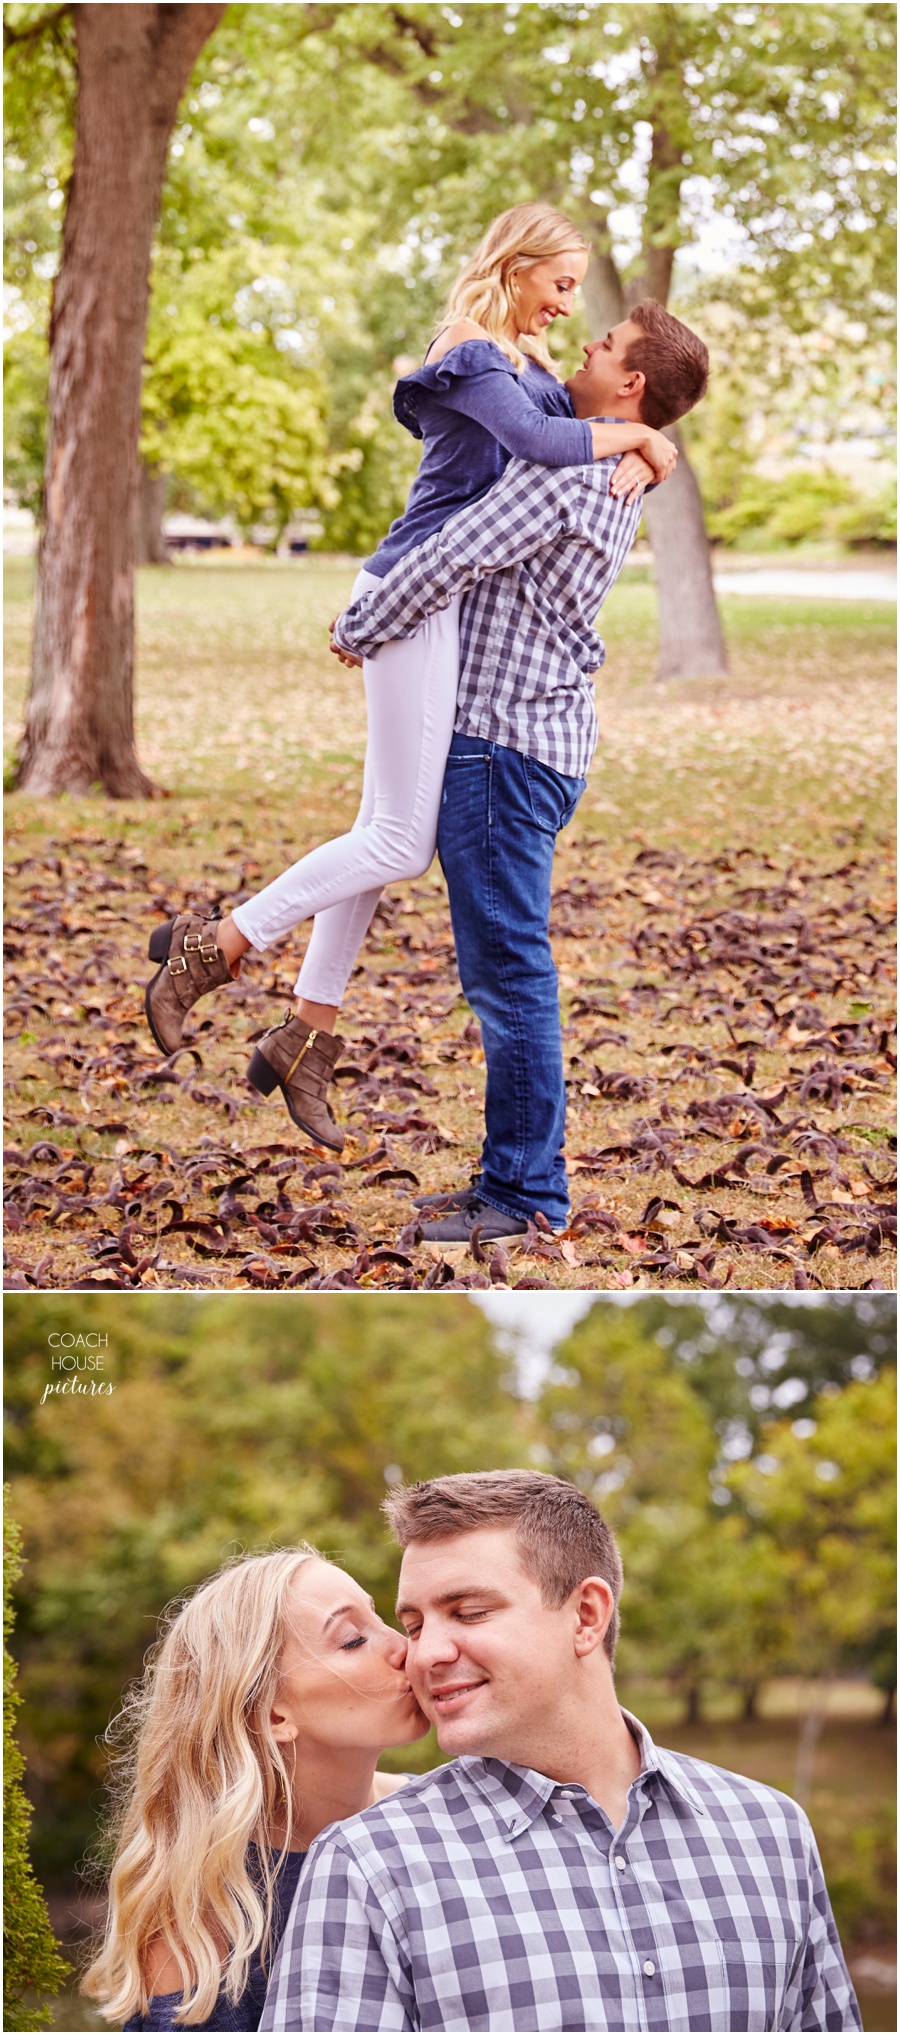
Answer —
150 507
604 297
691 643
133 65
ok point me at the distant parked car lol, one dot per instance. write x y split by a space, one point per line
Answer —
193 533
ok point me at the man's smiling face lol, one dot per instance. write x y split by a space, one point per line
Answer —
605 381
489 1661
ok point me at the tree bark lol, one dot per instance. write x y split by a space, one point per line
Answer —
604 297
691 643
808 1740
133 65
150 506
693 1708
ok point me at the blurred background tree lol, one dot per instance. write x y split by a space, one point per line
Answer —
227 1429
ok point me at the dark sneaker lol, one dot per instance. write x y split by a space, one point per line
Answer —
456 1226
453 1197
300 1062
191 965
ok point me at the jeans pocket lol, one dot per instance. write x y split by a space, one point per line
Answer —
553 798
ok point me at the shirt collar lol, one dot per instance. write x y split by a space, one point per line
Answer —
656 1760
518 1794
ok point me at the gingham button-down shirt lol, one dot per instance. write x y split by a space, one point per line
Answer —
485 1896
552 544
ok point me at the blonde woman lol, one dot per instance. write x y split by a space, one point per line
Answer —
273 1691
488 390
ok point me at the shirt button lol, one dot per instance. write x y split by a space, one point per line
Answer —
620 1865
649 1968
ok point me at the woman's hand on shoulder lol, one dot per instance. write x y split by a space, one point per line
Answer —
632 475
660 453
454 335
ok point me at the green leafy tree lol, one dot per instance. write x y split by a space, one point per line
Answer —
823 1491
230 1427
624 1424
822 1501
749 1356
649 1407
224 411
31 1960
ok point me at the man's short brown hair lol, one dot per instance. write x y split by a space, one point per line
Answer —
673 360
560 1535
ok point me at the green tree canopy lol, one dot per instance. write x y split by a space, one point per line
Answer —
229 1428
766 132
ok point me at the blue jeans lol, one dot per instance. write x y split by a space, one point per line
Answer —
500 815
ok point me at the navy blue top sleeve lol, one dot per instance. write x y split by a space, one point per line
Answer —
478 381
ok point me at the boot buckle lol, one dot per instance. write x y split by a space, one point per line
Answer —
177 966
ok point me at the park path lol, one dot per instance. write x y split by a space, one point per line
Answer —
797 582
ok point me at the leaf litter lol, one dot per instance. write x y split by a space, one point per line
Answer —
729 1057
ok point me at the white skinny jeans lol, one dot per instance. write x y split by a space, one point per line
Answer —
411 708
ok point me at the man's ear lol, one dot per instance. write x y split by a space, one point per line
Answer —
634 383
594 1605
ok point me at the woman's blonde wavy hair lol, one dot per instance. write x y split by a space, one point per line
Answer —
486 289
198 1776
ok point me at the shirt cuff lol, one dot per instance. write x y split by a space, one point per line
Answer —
344 640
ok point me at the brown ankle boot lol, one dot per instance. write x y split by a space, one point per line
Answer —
191 964
300 1061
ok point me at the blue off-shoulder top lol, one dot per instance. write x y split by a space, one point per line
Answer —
247 2011
475 412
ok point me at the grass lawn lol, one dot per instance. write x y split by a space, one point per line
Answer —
722 926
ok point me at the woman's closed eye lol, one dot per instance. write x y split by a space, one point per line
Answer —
350 1645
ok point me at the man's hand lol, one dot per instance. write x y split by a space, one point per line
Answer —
631 476
344 656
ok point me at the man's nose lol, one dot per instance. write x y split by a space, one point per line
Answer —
434 1644
591 347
